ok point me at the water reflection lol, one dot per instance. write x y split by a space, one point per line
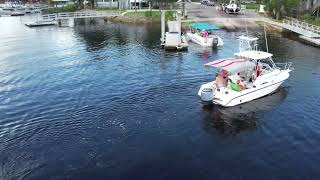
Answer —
205 53
233 120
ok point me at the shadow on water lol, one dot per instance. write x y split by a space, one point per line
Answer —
244 117
100 34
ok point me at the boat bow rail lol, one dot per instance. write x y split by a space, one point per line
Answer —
284 66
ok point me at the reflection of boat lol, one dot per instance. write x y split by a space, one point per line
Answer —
232 120
202 34
251 74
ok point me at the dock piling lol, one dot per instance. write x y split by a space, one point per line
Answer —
163 26
179 28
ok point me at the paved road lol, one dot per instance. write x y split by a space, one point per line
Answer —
198 12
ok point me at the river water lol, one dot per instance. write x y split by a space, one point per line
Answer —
103 101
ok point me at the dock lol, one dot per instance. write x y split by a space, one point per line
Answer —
173 39
311 41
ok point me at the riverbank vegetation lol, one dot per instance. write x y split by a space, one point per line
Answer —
66 8
108 9
155 15
251 5
311 19
279 9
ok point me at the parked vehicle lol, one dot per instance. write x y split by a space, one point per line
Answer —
204 2
232 7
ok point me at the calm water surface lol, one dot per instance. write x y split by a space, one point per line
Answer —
104 102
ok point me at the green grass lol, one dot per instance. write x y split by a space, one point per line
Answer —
107 9
151 14
66 8
311 19
251 6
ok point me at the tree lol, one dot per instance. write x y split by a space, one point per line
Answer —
80 4
280 8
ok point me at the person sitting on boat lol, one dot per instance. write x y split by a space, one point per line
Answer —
205 33
241 84
221 80
234 78
258 70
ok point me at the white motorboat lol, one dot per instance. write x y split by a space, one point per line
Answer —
17 13
202 34
41 23
7 7
249 75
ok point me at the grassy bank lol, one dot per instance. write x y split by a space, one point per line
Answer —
151 14
251 6
109 9
311 19
67 8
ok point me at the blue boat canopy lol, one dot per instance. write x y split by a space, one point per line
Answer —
204 26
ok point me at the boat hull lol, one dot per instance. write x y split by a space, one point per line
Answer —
39 25
206 42
265 86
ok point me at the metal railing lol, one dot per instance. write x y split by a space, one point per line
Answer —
284 66
58 16
302 26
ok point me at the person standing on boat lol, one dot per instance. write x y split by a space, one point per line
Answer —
206 34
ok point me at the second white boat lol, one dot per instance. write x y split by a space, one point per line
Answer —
202 34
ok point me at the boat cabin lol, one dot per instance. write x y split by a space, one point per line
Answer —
241 72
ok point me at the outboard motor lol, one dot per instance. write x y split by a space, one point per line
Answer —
215 41
207 94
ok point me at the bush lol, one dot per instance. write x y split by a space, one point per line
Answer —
107 9
317 21
311 19
148 14
66 8
70 8
169 15
307 17
251 6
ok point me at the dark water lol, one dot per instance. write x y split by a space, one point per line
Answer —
104 102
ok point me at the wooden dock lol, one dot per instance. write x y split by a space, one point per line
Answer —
311 41
173 39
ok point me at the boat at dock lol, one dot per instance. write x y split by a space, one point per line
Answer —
41 23
17 13
249 75
203 34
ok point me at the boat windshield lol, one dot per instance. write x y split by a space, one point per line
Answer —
267 63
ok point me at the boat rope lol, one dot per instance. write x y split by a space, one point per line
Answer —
265 36
245 21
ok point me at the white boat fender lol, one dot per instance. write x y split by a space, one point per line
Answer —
207 94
